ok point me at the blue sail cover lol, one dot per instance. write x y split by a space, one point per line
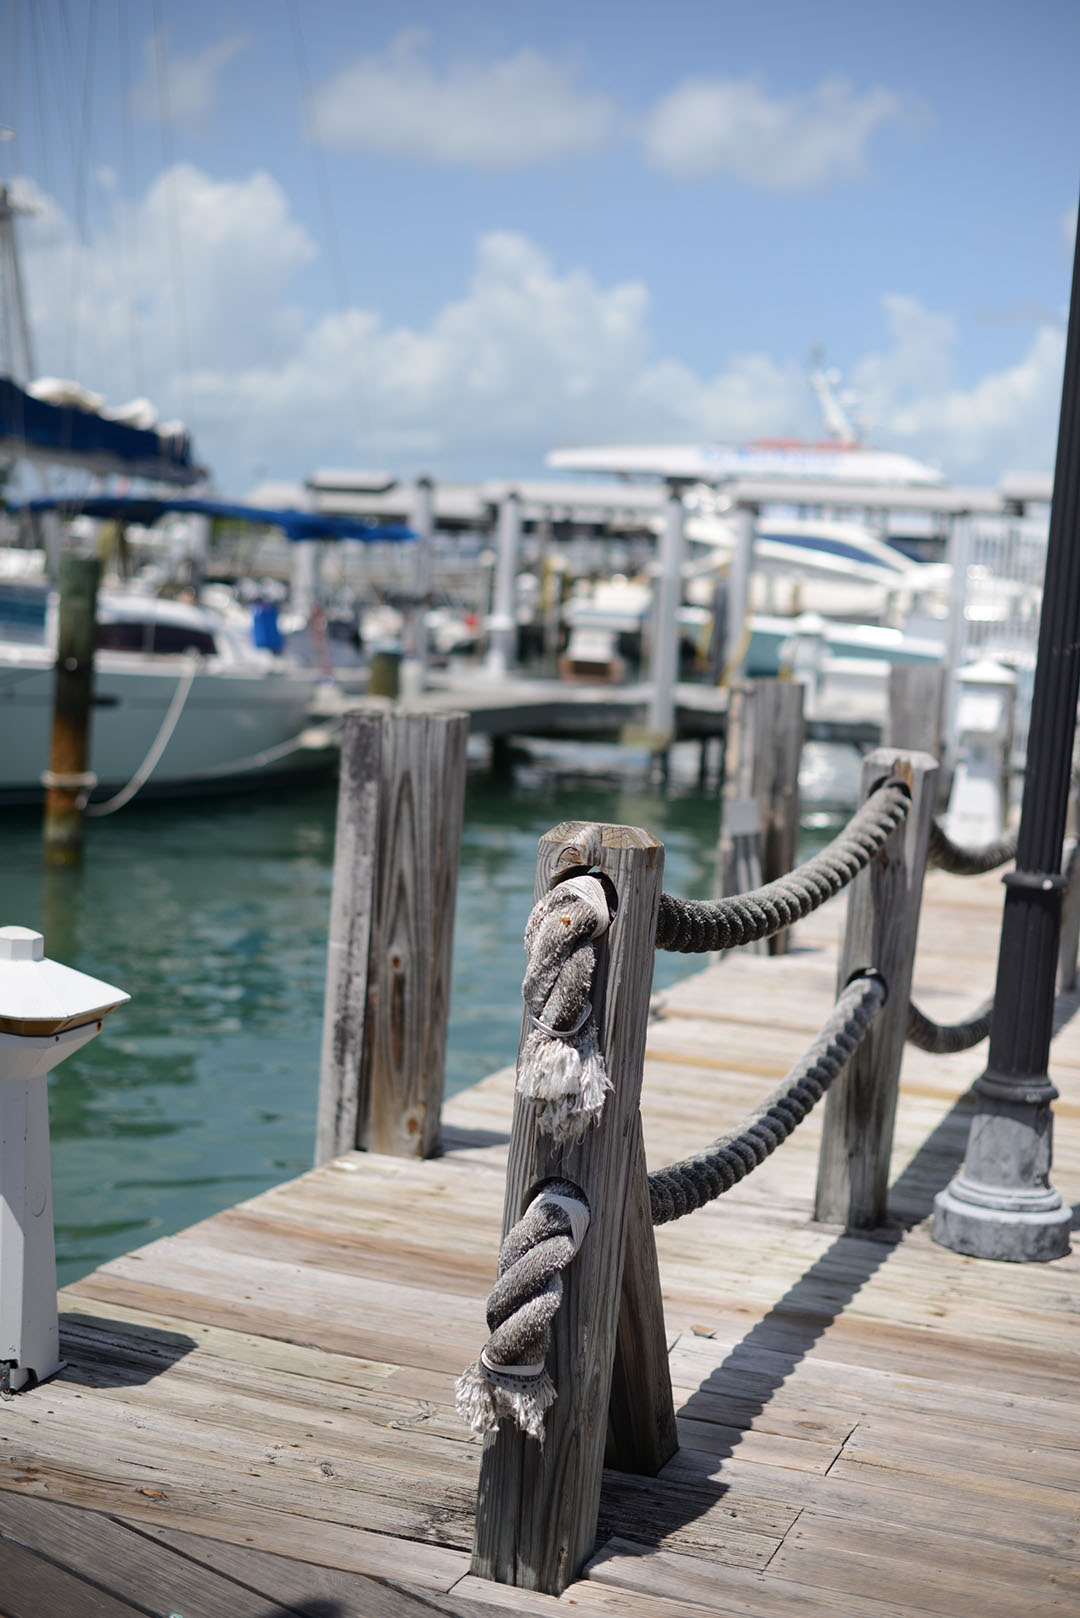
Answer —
33 429
147 509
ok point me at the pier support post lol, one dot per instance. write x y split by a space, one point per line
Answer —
759 828
67 781
738 591
396 855
664 625
537 1507
502 624
882 926
916 700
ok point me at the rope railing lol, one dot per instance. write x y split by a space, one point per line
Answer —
946 1039
960 861
682 1187
696 926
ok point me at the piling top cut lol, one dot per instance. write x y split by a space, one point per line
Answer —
39 996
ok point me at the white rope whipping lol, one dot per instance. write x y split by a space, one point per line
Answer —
560 1066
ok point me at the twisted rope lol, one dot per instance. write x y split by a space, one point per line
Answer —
560 1065
694 926
682 1187
510 1378
969 861
946 1039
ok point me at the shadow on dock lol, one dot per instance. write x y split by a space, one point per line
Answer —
101 1352
651 1511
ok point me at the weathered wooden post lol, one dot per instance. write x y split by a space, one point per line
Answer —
67 781
759 828
916 701
537 1507
882 926
396 855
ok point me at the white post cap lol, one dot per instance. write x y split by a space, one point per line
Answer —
42 997
21 944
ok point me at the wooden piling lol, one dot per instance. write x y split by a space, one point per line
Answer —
916 707
67 782
537 1507
396 855
882 927
759 828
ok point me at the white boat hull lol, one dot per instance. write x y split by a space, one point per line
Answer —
231 717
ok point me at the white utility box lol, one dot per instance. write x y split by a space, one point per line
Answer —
46 1012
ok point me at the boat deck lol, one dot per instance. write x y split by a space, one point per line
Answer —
256 1415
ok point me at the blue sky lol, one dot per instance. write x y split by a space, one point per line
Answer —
447 236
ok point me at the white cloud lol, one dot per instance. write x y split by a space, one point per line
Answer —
1005 420
497 115
780 143
528 355
190 88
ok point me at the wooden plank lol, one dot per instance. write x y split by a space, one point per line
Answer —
112 1559
536 1509
733 1591
34 1586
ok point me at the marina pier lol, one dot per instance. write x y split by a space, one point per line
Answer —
256 1415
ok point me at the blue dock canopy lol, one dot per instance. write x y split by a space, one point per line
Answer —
147 509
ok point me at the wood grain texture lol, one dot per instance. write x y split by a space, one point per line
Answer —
537 1507
412 930
279 1378
883 910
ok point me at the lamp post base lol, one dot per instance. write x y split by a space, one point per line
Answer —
1023 1224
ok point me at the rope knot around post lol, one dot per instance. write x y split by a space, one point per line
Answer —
560 1065
510 1379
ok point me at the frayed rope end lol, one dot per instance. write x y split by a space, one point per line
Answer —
568 1082
482 1404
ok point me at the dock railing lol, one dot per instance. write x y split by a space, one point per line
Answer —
574 1374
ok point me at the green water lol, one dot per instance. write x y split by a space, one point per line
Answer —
213 916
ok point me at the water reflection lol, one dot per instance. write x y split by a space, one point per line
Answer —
202 1089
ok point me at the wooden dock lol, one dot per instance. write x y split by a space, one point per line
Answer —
256 1415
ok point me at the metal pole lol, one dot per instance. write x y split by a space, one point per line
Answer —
1002 1205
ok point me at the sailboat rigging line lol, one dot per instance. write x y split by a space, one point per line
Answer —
176 253
158 745
326 200
128 212
36 51
82 164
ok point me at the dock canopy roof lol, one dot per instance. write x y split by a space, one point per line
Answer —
63 434
147 509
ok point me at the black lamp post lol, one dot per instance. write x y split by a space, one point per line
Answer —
1001 1204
